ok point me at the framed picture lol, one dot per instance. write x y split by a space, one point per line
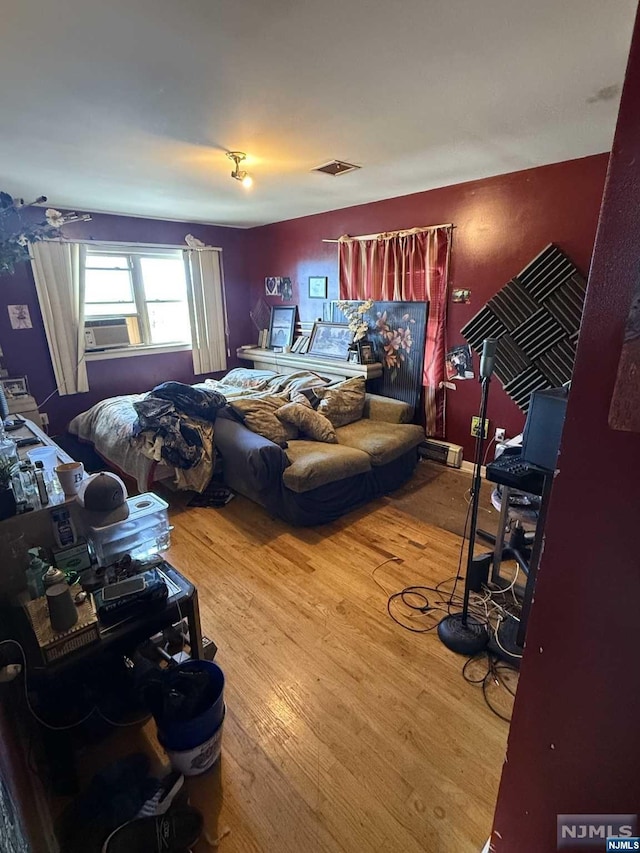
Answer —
271 285
318 286
354 356
15 387
282 325
365 349
331 340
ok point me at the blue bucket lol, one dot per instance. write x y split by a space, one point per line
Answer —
180 735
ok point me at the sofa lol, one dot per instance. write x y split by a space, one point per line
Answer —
312 482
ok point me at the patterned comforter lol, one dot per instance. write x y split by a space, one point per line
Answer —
109 426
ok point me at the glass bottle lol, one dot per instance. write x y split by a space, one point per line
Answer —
8 447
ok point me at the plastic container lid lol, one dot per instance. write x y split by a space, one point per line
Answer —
139 507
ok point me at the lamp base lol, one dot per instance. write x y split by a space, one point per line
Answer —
463 639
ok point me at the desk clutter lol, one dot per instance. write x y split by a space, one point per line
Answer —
109 637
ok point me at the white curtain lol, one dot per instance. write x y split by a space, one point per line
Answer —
58 269
206 309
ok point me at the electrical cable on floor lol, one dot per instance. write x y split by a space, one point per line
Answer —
494 668
69 726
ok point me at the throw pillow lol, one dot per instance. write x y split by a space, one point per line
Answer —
259 415
309 422
342 403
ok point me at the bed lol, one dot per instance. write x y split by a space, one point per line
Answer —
109 427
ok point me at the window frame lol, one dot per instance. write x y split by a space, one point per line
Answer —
134 254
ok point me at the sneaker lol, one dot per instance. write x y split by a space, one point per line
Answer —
174 832
160 802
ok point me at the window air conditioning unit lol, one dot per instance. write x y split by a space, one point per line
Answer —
442 451
109 333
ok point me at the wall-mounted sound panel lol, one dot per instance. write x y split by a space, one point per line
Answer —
536 317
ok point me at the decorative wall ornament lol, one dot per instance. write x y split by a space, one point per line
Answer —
18 228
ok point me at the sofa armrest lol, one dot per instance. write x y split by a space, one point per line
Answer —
387 409
251 463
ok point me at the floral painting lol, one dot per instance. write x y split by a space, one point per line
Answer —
397 333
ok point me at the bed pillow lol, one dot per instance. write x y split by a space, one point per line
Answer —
342 403
310 423
259 415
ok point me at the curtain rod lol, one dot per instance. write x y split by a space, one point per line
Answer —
402 231
129 243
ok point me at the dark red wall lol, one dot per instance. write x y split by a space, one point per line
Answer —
575 738
501 224
26 351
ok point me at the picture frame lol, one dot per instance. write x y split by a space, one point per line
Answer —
15 387
331 340
366 353
271 284
354 357
282 326
318 286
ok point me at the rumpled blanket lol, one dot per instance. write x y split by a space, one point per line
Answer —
173 414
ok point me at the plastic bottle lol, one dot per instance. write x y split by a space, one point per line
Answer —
64 530
35 574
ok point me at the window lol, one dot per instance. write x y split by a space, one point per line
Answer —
142 290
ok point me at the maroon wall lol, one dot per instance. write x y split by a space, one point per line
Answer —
501 224
26 351
575 739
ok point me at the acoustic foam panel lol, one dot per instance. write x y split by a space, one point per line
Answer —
536 318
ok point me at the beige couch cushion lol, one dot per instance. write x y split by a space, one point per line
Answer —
314 464
259 415
382 441
342 403
310 423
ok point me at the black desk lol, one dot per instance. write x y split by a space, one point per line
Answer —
66 676
124 636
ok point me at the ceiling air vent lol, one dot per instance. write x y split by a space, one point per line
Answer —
336 167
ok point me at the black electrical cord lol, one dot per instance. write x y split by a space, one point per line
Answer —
494 667
460 557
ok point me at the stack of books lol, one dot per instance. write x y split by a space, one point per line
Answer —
301 344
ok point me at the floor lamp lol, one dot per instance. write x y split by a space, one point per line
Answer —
462 632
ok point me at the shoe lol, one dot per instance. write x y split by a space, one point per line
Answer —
160 802
114 796
174 832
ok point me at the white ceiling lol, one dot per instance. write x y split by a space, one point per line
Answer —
128 106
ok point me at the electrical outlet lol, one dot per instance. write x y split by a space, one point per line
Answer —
475 426
500 434
45 418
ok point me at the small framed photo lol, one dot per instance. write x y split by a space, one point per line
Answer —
366 353
331 340
15 387
282 326
318 286
271 285
354 357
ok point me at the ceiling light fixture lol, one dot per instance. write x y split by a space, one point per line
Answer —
239 174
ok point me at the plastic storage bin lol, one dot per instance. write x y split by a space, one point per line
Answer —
146 531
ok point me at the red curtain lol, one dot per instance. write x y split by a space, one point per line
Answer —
406 266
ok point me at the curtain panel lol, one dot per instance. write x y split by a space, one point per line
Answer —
58 270
407 266
203 268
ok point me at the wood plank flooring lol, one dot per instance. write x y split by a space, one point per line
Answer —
343 731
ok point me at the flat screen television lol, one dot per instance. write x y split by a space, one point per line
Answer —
543 429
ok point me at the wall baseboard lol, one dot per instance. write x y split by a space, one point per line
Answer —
468 467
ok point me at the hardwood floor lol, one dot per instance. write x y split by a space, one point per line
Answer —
343 731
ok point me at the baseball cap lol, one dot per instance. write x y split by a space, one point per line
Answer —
104 499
